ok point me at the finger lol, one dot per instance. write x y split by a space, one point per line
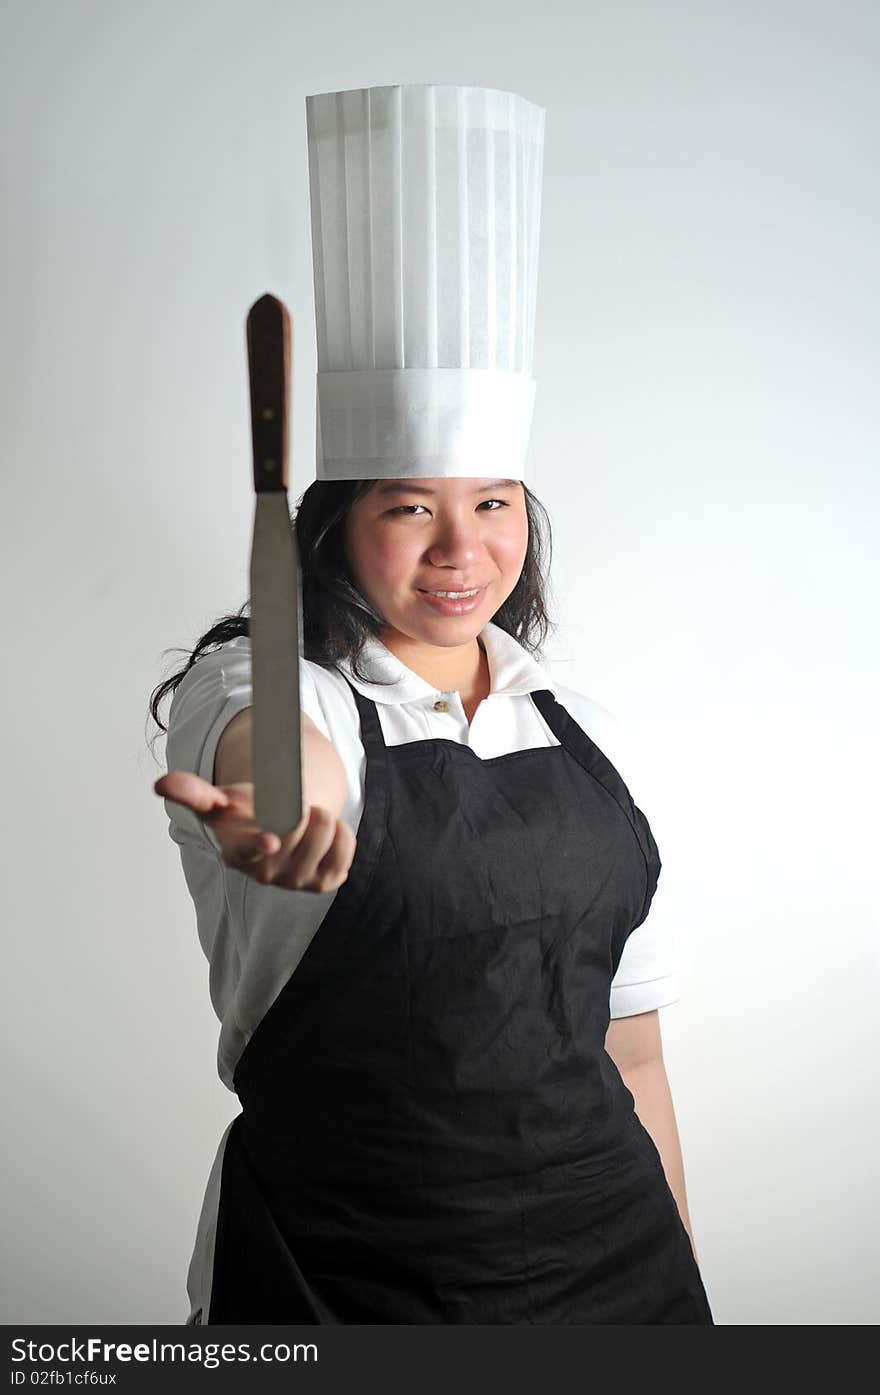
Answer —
260 844
299 863
333 868
285 865
182 787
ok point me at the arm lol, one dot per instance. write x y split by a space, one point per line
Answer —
324 780
635 1047
315 856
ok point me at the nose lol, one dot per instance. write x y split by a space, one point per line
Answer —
457 537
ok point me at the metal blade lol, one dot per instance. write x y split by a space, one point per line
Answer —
276 629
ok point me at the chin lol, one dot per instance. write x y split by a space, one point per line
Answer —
443 631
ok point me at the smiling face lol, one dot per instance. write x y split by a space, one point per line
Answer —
405 538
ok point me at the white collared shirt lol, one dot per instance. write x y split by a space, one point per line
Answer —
254 935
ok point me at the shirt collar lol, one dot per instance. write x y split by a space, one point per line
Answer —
512 670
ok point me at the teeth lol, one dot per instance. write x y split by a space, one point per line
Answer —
455 595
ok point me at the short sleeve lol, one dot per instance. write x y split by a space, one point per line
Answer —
215 689
647 976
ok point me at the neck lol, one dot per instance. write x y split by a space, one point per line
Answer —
463 668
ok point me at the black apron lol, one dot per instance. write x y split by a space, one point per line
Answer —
431 1128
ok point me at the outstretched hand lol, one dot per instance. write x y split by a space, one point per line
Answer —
314 856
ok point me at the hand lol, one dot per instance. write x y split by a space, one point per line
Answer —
314 856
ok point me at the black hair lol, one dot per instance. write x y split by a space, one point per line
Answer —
337 618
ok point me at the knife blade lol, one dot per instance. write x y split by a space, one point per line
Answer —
275 578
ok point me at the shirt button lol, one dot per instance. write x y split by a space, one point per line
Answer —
441 705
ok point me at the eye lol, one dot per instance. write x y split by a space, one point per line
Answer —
402 508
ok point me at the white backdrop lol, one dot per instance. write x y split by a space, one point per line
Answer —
706 441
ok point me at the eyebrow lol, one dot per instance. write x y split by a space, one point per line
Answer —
409 487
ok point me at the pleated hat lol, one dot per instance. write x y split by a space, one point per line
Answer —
425 218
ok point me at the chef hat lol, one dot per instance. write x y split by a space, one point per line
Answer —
425 208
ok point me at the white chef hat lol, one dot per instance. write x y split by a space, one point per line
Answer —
426 209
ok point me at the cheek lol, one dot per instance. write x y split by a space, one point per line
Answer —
513 542
390 554
384 559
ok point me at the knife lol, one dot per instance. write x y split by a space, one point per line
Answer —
275 579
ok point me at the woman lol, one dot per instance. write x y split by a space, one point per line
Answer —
439 1122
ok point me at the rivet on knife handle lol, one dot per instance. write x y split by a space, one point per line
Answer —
276 603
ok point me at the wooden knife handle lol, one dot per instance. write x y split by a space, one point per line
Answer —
269 345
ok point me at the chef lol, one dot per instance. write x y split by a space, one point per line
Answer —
434 991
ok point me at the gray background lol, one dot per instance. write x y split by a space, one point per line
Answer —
705 438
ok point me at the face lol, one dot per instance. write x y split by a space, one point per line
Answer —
405 538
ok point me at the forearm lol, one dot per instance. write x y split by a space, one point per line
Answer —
649 1086
323 774
324 779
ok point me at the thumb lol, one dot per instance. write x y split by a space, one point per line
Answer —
182 787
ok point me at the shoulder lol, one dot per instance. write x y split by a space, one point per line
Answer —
599 722
213 676
210 694
616 739
222 681
586 711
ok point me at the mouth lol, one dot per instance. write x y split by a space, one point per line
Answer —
462 594
454 602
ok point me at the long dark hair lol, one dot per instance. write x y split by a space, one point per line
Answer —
337 619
